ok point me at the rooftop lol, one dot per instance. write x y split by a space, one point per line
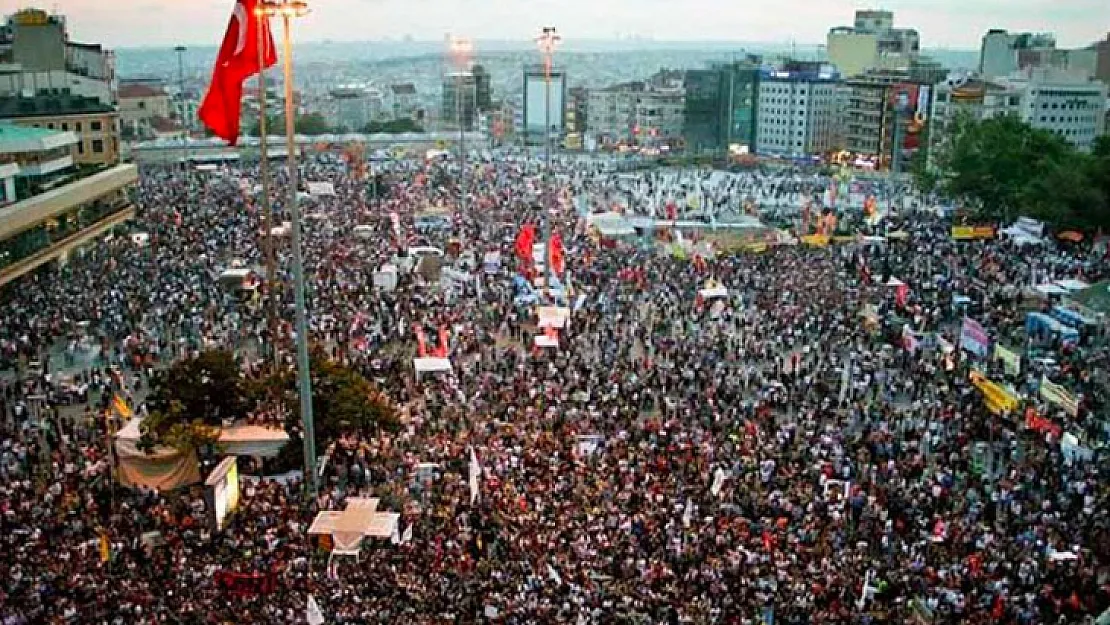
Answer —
139 90
12 107
403 89
19 139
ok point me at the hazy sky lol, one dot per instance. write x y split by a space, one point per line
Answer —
942 23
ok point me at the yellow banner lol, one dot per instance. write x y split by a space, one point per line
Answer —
816 240
755 247
963 233
995 397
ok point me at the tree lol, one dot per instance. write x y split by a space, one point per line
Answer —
310 124
191 398
393 126
1002 168
343 402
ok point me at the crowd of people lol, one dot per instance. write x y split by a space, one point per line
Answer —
776 454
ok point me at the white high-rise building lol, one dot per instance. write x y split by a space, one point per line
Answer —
797 112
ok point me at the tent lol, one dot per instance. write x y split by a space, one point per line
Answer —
162 469
321 189
358 520
545 342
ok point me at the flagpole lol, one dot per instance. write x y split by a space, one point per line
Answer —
271 302
289 9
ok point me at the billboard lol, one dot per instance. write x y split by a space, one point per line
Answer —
911 103
222 491
536 100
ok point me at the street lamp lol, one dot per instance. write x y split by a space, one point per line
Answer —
180 50
547 41
460 50
287 10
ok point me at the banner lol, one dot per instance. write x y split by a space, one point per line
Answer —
1055 394
816 240
973 338
995 397
1011 360
246 584
971 233
1034 421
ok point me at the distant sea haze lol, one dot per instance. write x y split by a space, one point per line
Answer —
198 59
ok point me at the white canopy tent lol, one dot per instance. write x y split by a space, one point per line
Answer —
431 365
360 519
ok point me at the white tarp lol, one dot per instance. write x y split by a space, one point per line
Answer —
552 317
546 342
717 291
431 365
319 189
385 278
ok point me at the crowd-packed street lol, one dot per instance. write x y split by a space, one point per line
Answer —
806 444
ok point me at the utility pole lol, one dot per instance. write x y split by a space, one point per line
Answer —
180 50
548 41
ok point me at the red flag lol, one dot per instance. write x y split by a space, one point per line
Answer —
421 345
901 294
557 256
237 60
441 351
525 239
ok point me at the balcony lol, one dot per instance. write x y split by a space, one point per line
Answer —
29 212
46 167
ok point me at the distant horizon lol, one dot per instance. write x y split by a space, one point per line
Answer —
942 24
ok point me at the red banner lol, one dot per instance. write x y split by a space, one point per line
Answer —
246 584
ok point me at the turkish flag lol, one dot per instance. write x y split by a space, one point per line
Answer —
901 294
238 59
557 256
525 239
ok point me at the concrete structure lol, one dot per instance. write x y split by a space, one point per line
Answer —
1062 103
36 54
636 113
96 125
797 111
884 111
1002 53
721 107
537 100
1102 60
977 98
402 100
141 108
49 207
460 99
871 42
352 107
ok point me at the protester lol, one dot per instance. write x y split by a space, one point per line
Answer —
778 454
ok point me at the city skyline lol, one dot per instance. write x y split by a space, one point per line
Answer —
941 23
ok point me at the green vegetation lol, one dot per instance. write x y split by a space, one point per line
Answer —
195 396
1002 168
394 126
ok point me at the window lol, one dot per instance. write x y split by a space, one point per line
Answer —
65 125
77 126
80 147
50 125
142 105
98 145
94 126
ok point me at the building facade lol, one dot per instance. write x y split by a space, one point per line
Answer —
141 108
352 107
50 206
973 97
1003 53
720 108
798 112
459 106
1063 103
544 104
884 117
96 125
872 42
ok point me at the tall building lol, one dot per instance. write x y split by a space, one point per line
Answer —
637 113
872 42
483 89
460 99
1063 103
721 107
971 96
36 54
142 108
543 105
1102 60
1002 53
351 107
96 124
51 206
884 115
797 111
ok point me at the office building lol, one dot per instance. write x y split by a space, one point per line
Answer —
142 108
872 42
797 111
50 206
36 54
637 113
483 89
350 108
543 106
1061 102
968 96
885 113
402 101
1003 53
460 99
95 124
721 107
1102 59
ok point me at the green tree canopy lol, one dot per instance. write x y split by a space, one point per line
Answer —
1003 168
193 396
393 126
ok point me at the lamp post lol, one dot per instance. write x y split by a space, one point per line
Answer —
460 50
180 50
547 41
264 174
287 10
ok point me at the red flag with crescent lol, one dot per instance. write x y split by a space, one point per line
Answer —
239 58
557 255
